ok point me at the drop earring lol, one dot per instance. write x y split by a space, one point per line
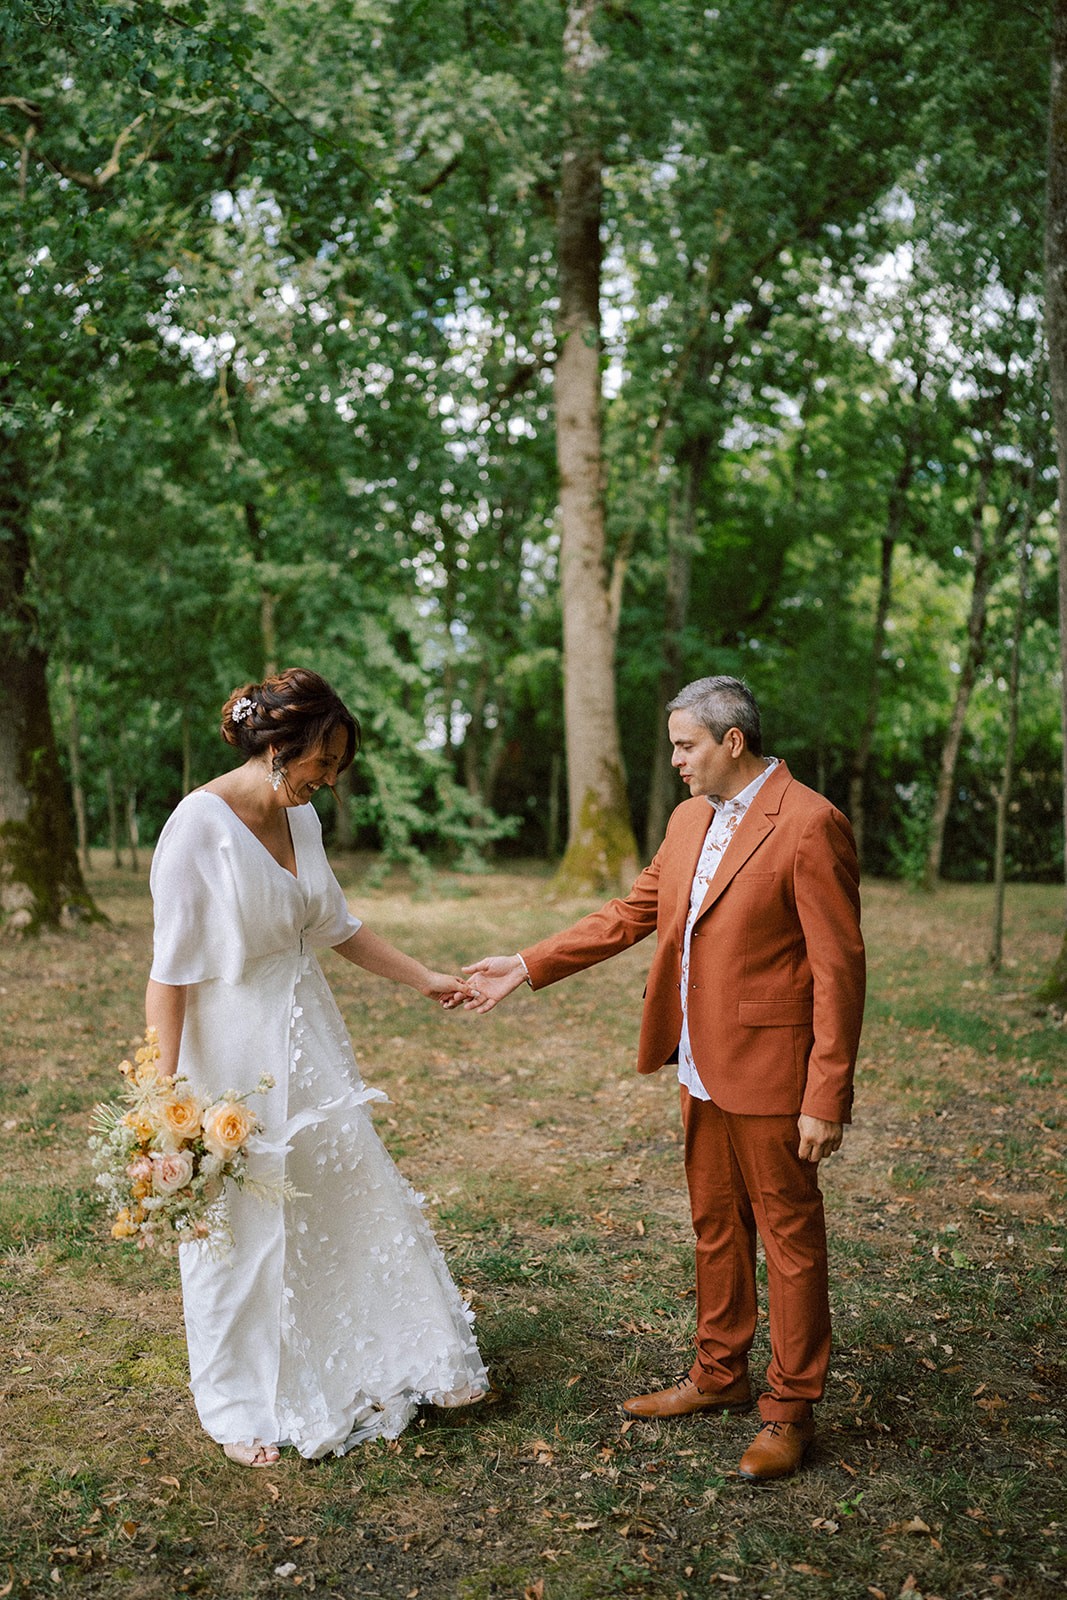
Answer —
276 776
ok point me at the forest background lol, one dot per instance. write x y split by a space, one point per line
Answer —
304 305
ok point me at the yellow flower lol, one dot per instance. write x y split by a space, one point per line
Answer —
142 1123
226 1127
149 1051
123 1227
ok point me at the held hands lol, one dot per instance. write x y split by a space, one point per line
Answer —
449 992
492 980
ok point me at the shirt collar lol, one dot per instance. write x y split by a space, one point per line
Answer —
739 804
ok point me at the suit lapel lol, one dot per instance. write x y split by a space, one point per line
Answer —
757 824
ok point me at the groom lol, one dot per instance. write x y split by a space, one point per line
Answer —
756 991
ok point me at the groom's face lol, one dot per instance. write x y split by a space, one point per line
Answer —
708 766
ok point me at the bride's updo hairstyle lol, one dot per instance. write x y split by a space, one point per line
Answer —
295 711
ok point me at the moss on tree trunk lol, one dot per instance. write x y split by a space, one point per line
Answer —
602 854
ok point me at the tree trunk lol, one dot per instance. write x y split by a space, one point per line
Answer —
344 833
1054 989
40 876
996 943
664 793
601 850
133 830
74 757
112 819
187 753
862 755
896 509
268 627
984 572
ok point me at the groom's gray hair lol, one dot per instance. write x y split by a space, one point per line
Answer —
721 704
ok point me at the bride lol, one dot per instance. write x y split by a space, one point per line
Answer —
333 1315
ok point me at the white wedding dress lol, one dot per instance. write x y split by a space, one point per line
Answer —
334 1314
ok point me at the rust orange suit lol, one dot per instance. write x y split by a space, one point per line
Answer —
776 991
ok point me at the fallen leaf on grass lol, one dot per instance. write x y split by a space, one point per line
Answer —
171 1483
913 1525
534 1591
809 1570
825 1525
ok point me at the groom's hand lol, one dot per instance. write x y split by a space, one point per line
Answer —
491 980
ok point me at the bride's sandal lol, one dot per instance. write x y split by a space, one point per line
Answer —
252 1455
455 1398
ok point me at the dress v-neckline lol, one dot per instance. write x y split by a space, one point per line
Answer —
253 835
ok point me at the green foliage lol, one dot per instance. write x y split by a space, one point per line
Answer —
275 367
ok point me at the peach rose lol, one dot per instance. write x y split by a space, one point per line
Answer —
171 1171
226 1127
181 1118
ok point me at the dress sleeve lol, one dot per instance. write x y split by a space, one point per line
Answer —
329 921
197 921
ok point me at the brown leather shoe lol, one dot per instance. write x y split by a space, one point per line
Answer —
777 1450
683 1398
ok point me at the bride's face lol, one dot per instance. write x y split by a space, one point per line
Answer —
313 771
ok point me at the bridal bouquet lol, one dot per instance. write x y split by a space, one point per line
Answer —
162 1155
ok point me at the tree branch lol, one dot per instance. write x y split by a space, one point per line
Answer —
93 182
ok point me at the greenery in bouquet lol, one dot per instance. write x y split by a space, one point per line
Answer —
162 1156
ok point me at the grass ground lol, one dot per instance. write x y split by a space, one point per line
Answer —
553 1176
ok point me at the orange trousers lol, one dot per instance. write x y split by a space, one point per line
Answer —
744 1176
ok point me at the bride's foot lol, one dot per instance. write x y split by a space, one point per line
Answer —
459 1397
252 1455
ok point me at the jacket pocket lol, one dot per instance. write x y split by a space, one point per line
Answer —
774 1013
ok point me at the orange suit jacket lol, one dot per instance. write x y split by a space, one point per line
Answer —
777 969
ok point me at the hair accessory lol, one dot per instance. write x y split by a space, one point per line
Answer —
243 709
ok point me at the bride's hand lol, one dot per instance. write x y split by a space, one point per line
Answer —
447 991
